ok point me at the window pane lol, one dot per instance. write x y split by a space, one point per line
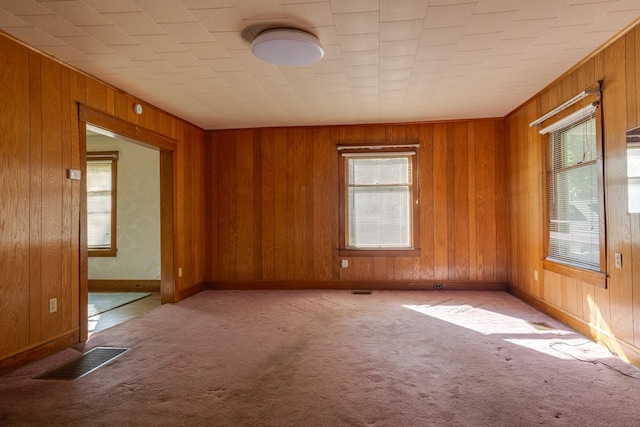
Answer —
379 217
99 205
574 224
633 173
367 171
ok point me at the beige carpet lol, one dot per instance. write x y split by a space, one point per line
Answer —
331 358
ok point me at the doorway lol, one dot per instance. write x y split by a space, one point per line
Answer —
165 147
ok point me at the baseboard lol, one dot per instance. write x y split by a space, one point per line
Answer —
620 348
124 285
398 285
186 293
39 351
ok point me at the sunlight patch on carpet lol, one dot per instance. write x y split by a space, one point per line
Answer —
85 364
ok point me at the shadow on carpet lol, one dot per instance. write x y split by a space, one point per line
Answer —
100 302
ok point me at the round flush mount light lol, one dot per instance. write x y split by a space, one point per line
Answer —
287 47
137 108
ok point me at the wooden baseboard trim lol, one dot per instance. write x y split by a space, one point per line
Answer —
124 285
620 348
191 291
39 351
398 285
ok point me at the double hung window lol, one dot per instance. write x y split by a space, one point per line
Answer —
378 202
101 203
574 184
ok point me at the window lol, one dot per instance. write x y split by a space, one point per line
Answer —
633 176
378 203
575 201
101 203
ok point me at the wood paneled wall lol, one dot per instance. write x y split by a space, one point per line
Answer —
272 207
40 207
607 314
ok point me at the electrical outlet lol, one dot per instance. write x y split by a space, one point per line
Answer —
535 275
345 263
618 260
437 286
53 305
179 271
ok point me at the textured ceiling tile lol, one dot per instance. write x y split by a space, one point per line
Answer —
8 20
24 7
398 48
68 54
397 62
402 10
260 9
207 4
449 16
113 6
87 44
53 25
160 43
231 40
362 58
108 34
351 6
223 64
401 30
441 36
188 32
214 20
137 52
113 60
357 23
489 23
76 12
35 37
166 11
134 23
362 71
209 50
305 14
360 42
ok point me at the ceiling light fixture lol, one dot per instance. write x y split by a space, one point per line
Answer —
287 47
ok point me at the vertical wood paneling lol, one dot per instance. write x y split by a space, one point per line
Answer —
267 182
325 185
613 311
244 204
15 207
281 207
277 204
425 266
52 196
35 198
41 207
615 181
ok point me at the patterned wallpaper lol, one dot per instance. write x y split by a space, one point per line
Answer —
138 226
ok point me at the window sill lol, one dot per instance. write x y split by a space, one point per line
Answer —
379 252
593 277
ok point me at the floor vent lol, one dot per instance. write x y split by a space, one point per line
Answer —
83 365
541 325
361 292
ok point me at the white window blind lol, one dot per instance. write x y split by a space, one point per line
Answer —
574 224
379 189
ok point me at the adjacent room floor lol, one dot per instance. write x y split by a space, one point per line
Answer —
121 314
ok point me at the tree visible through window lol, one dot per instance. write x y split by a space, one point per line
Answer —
574 195
101 203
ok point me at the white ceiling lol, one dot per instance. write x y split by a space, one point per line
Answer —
385 61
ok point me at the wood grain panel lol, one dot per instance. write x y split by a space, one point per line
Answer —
52 197
15 207
615 163
285 200
610 314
